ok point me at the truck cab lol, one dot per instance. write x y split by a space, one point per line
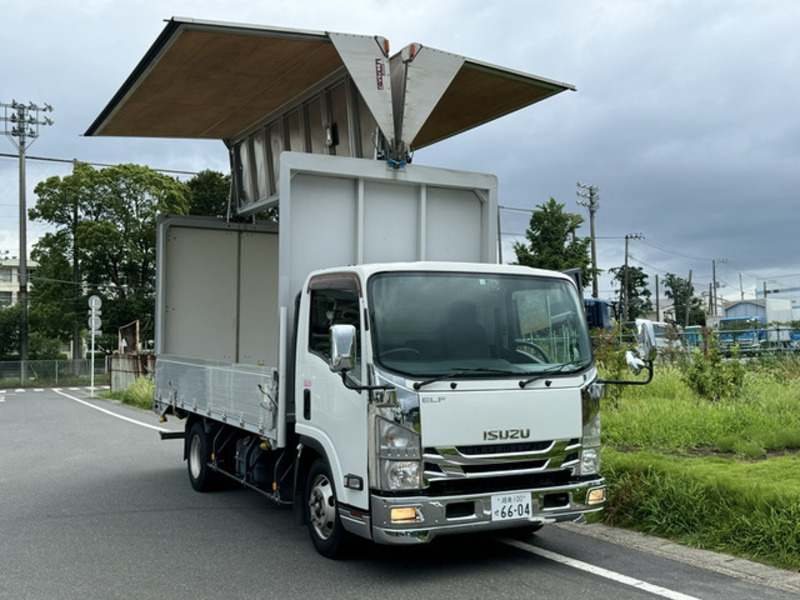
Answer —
476 384
747 333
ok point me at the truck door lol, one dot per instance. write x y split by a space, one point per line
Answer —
329 412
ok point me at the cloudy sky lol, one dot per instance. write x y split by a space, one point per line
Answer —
686 114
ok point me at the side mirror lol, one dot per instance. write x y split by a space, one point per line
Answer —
643 358
647 340
635 364
343 348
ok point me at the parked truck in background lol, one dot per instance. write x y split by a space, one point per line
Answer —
366 360
600 314
756 325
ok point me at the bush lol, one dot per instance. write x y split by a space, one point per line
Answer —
711 377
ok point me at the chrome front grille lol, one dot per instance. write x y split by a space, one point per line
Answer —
452 463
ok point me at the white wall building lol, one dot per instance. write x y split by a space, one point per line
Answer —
9 280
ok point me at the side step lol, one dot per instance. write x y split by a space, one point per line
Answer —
172 435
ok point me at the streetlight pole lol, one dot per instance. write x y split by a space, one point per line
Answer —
591 200
22 122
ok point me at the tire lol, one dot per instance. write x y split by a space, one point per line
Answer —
322 516
198 455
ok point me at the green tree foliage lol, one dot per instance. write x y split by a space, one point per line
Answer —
681 292
9 329
553 242
105 226
209 194
639 303
53 307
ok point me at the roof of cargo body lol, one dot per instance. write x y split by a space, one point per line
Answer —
211 80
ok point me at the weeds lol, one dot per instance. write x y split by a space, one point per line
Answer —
721 471
711 377
139 393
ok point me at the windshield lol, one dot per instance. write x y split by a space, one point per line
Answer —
429 324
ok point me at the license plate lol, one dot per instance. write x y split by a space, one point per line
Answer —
506 507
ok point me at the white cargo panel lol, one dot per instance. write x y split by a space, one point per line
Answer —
217 291
337 211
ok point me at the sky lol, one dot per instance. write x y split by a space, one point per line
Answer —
685 116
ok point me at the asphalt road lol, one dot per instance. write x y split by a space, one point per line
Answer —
97 506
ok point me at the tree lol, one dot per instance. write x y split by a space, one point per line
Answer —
209 194
9 329
553 242
638 295
681 292
105 224
54 310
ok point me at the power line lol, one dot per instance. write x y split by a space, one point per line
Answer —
675 252
94 164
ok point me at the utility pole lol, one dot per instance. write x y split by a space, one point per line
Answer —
22 122
712 293
591 200
626 295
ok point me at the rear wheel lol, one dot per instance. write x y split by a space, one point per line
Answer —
198 456
322 517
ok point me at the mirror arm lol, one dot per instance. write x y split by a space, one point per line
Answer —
363 388
648 365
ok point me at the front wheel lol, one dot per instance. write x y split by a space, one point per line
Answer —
322 517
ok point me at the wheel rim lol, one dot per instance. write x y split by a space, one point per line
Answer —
322 505
195 457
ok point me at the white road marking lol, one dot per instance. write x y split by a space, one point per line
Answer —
113 414
599 571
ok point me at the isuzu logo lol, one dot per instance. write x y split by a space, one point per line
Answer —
506 434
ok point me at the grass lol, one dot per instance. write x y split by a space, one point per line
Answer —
139 394
668 417
717 474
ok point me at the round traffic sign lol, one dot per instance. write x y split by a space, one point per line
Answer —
94 322
95 302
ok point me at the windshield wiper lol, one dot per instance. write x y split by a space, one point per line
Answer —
541 374
461 371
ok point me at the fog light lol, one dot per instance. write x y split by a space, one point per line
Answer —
405 514
596 496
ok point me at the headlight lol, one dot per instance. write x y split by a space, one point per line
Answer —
396 441
400 474
590 455
590 461
399 455
591 432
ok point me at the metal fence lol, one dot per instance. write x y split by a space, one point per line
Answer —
50 372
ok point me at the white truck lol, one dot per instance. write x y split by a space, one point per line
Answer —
367 360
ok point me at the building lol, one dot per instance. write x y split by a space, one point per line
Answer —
9 280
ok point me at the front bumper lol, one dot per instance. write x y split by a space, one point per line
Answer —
449 515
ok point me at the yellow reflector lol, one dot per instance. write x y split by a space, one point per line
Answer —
596 496
404 515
